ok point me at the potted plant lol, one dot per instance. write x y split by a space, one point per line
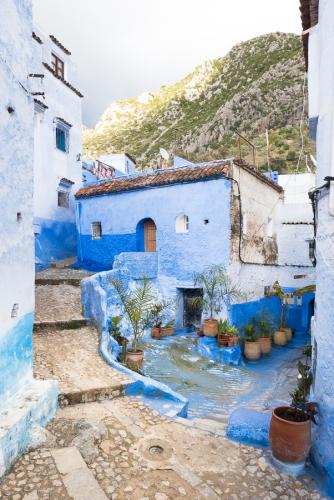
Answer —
252 349
284 333
264 336
136 305
217 291
168 329
114 331
290 426
156 316
227 334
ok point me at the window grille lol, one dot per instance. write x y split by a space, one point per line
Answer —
63 199
96 230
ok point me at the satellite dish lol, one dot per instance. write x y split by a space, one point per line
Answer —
164 154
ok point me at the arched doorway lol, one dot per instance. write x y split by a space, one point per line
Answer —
146 236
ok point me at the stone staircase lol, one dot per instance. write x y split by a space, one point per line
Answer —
66 346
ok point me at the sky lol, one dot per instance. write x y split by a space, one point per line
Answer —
123 48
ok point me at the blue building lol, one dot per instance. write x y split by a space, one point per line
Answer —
170 224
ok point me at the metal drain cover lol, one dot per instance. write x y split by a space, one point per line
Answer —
156 450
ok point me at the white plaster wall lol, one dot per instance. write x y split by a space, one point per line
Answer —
295 219
51 164
120 161
321 59
16 163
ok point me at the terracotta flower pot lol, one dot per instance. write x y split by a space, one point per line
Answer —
156 332
252 350
166 331
280 337
235 339
288 333
265 344
290 441
135 359
223 339
210 328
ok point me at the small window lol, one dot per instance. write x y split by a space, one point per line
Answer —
62 138
182 224
63 199
96 230
58 66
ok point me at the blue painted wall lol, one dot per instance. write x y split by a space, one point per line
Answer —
57 240
179 254
298 316
15 357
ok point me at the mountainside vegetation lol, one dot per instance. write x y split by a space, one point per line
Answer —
258 85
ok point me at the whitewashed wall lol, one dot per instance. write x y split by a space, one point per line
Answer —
321 91
51 164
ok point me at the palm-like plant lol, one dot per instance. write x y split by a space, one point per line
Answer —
218 289
284 300
136 305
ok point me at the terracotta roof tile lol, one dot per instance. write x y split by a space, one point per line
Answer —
60 45
156 179
48 67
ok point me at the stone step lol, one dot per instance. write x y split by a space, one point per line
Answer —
65 263
61 303
57 281
72 324
91 395
71 356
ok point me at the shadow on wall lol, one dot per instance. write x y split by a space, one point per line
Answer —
53 241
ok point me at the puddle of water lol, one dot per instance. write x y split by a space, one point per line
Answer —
211 388
214 390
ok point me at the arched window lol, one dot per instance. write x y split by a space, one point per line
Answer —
182 224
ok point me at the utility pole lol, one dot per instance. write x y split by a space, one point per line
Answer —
268 151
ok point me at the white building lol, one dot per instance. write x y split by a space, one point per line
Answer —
318 22
24 402
58 143
122 162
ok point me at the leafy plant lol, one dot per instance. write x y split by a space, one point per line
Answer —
299 402
217 287
158 313
263 328
226 328
114 328
284 299
249 331
136 304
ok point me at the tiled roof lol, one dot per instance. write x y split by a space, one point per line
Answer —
156 179
309 13
60 45
37 38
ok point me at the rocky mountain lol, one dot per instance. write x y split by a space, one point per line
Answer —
258 85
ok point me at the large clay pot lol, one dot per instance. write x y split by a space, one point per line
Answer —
290 441
156 332
210 327
252 350
265 344
288 333
166 331
135 359
280 337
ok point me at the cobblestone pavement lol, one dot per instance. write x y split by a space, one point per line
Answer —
120 449
135 454
72 357
57 303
